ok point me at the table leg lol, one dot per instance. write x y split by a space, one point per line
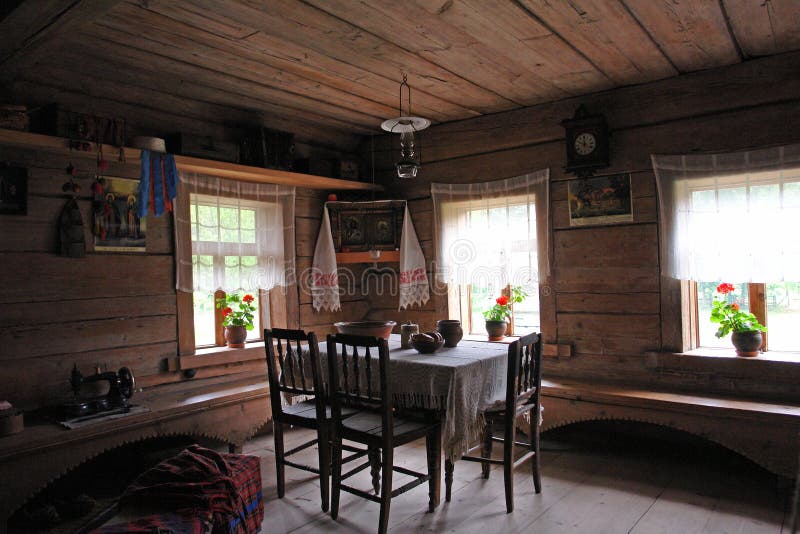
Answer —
448 479
375 468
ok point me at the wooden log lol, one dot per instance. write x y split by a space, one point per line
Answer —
20 342
44 277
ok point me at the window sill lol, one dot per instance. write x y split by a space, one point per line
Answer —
209 356
715 360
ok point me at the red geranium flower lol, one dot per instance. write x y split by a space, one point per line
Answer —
725 288
735 306
248 298
502 300
227 311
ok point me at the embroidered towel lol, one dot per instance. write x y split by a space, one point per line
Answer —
324 280
414 288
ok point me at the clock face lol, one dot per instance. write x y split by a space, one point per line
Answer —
585 144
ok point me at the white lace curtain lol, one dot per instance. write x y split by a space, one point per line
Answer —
730 216
492 233
233 235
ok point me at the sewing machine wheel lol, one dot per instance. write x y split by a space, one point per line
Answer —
126 382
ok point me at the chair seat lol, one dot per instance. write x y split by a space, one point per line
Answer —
308 410
523 404
369 423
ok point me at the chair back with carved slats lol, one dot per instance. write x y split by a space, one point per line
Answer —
352 365
524 378
293 365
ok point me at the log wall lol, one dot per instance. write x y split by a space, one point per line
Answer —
605 297
109 310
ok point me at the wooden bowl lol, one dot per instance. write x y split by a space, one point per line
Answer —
366 328
427 342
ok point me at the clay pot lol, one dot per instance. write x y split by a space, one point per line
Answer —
496 330
451 331
747 343
235 336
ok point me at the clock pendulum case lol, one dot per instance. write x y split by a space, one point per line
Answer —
587 142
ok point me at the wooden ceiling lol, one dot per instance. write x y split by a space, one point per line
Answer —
338 63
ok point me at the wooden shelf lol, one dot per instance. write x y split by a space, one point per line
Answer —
233 171
364 257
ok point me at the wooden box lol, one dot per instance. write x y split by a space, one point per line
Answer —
200 146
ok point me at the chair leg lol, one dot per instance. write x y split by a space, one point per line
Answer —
433 446
279 467
448 478
324 455
486 449
535 465
336 474
374 457
386 488
508 464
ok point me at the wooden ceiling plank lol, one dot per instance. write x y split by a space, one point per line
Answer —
189 44
305 25
160 52
35 28
765 27
606 34
509 30
431 37
303 61
694 35
135 68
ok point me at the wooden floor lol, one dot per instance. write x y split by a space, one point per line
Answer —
588 486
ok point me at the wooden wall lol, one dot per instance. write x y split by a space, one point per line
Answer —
110 310
605 296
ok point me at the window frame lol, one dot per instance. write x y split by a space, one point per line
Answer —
275 305
459 301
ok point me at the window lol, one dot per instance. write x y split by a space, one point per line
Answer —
231 237
215 223
492 237
730 217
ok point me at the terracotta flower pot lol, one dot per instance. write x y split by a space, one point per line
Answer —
747 343
235 336
496 330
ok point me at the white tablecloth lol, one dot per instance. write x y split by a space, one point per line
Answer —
458 381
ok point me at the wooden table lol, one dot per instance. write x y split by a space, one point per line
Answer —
457 382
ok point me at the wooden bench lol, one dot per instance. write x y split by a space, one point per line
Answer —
767 433
226 409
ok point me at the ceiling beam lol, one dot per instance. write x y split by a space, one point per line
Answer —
37 26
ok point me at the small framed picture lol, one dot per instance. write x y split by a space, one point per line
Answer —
600 200
384 231
352 230
13 191
115 220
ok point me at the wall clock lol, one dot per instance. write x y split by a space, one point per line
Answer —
586 142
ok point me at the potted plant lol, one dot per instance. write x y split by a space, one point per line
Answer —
496 316
725 311
237 321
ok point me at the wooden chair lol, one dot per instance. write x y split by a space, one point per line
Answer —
288 368
523 394
351 364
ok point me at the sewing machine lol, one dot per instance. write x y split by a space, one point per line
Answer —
120 388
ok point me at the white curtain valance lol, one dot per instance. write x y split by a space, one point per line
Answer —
730 216
493 233
232 235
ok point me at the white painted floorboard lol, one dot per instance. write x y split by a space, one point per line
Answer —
585 490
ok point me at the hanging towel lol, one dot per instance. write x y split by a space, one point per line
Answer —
158 183
324 280
414 288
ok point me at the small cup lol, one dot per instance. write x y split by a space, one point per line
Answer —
406 331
